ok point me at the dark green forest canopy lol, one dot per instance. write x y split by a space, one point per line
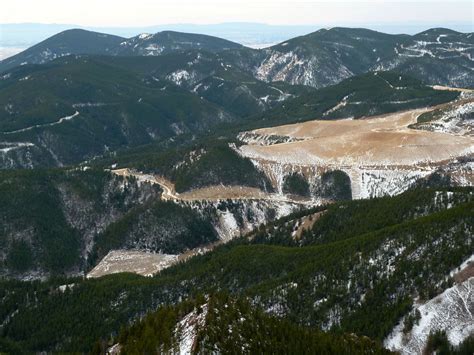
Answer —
265 273
252 330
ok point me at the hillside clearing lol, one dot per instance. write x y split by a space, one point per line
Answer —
382 155
379 141
139 262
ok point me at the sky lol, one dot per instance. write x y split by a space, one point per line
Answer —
278 12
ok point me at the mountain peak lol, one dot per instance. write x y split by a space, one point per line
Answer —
73 41
165 42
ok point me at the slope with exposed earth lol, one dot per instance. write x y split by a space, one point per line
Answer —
382 155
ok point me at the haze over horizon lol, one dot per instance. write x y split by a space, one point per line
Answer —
276 12
253 23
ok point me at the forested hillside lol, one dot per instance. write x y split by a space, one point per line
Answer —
62 222
362 282
87 105
222 324
365 95
181 193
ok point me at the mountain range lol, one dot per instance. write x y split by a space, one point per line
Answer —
97 93
319 59
177 192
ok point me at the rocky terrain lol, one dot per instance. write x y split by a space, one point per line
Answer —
328 56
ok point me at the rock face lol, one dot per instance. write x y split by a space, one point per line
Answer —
232 218
327 57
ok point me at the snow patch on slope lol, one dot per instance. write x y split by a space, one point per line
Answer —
452 311
187 329
5 147
180 77
459 120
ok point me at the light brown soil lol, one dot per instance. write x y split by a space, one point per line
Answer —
448 88
139 262
211 193
307 223
465 273
381 140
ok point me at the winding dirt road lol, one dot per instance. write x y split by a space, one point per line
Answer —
210 193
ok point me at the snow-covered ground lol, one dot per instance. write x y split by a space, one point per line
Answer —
59 121
296 67
380 182
226 224
5 147
181 76
187 329
457 120
263 139
452 312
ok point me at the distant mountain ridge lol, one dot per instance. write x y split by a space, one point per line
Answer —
95 93
321 58
79 41
171 41
326 57
62 44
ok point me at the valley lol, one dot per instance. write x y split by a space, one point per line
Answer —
382 155
147 263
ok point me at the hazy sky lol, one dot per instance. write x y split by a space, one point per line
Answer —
155 12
